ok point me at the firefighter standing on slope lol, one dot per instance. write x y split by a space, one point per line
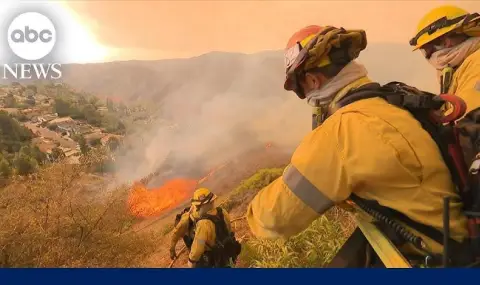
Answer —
198 226
370 148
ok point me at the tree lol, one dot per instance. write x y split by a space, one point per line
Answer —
82 100
21 117
10 101
57 154
62 107
25 164
52 127
95 142
113 143
5 169
110 105
33 88
83 145
123 108
12 135
30 101
94 100
38 155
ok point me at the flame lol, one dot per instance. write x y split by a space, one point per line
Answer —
268 145
212 172
144 203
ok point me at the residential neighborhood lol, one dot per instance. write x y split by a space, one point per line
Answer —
39 112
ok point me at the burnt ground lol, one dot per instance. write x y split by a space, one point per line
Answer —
221 183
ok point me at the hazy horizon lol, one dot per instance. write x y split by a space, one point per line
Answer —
105 31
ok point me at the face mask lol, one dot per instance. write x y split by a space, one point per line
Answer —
320 97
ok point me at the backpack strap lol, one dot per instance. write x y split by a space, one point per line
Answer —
419 104
218 220
395 93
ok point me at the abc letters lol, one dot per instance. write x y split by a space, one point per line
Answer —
31 35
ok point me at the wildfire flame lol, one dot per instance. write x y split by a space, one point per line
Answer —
268 145
210 174
144 203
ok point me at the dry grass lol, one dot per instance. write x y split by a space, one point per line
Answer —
46 222
314 247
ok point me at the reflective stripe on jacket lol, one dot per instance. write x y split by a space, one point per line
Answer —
369 148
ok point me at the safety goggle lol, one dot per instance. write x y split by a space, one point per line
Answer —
430 48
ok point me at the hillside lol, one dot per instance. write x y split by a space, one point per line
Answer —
215 73
216 111
222 103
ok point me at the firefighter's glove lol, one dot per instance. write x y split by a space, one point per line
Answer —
173 253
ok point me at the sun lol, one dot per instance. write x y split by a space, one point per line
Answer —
81 46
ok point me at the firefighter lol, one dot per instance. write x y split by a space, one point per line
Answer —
369 148
203 228
449 38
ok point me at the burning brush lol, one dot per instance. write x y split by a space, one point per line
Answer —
145 203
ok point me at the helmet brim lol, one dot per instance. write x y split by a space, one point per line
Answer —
200 203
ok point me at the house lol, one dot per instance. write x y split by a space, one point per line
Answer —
102 109
65 124
58 121
83 129
71 152
45 145
47 117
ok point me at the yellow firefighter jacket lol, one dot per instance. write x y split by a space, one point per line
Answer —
203 232
369 148
466 81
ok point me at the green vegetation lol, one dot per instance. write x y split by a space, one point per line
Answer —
113 143
17 154
84 148
57 154
313 247
251 186
87 110
10 101
12 135
20 117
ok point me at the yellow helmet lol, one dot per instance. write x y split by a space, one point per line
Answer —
202 196
437 23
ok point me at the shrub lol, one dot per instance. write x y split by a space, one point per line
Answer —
314 247
47 221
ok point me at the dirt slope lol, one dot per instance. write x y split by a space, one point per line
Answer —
222 183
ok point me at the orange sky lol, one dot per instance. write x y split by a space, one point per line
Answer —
169 29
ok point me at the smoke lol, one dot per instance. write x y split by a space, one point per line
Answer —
233 106
224 105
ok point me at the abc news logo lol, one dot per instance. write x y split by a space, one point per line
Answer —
31 37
